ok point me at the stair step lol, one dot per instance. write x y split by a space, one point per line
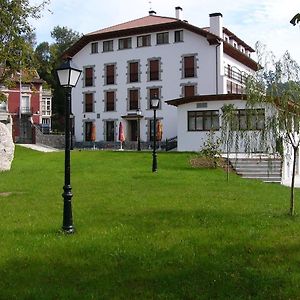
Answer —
263 169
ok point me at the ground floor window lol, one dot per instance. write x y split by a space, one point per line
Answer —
110 131
203 120
249 119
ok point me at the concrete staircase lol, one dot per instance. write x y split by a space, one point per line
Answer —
265 169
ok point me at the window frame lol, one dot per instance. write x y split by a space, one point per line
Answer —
243 119
150 76
131 101
106 101
145 40
108 46
186 69
88 81
88 137
90 105
110 79
176 40
162 38
111 134
125 43
203 115
133 76
94 47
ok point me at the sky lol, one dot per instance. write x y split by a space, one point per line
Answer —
267 21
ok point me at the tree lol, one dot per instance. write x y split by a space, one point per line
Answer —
16 34
48 58
227 133
277 87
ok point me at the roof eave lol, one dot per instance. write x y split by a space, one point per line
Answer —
206 98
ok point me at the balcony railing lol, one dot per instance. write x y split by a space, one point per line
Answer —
237 76
25 110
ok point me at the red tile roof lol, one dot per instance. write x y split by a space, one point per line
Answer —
137 23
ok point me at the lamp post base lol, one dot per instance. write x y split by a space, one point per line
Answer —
67 214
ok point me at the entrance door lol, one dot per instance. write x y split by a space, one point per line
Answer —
25 131
132 130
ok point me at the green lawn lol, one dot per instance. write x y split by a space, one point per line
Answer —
182 233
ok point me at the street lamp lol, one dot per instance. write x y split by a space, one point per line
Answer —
154 105
139 114
68 75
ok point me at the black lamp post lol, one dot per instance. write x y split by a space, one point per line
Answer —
154 105
139 114
68 75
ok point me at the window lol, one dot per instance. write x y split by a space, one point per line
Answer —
189 90
162 38
110 74
133 72
144 40
153 93
25 105
154 70
178 36
108 46
88 131
249 119
46 106
124 43
204 120
110 131
189 66
94 47
133 99
89 76
88 102
110 101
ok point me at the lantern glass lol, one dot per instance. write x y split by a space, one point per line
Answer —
68 74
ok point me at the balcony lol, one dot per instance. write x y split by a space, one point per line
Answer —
25 110
235 75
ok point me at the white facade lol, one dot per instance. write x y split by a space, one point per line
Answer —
211 75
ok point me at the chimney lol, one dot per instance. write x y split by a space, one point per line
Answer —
152 13
177 12
216 24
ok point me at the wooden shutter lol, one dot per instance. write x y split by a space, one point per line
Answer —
110 101
89 76
133 69
89 102
154 69
110 74
133 99
189 66
189 90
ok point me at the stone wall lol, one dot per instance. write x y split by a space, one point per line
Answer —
51 140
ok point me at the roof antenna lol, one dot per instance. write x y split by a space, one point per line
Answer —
150 4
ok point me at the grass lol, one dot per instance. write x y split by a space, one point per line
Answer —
182 233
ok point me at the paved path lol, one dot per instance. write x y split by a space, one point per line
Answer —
39 147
